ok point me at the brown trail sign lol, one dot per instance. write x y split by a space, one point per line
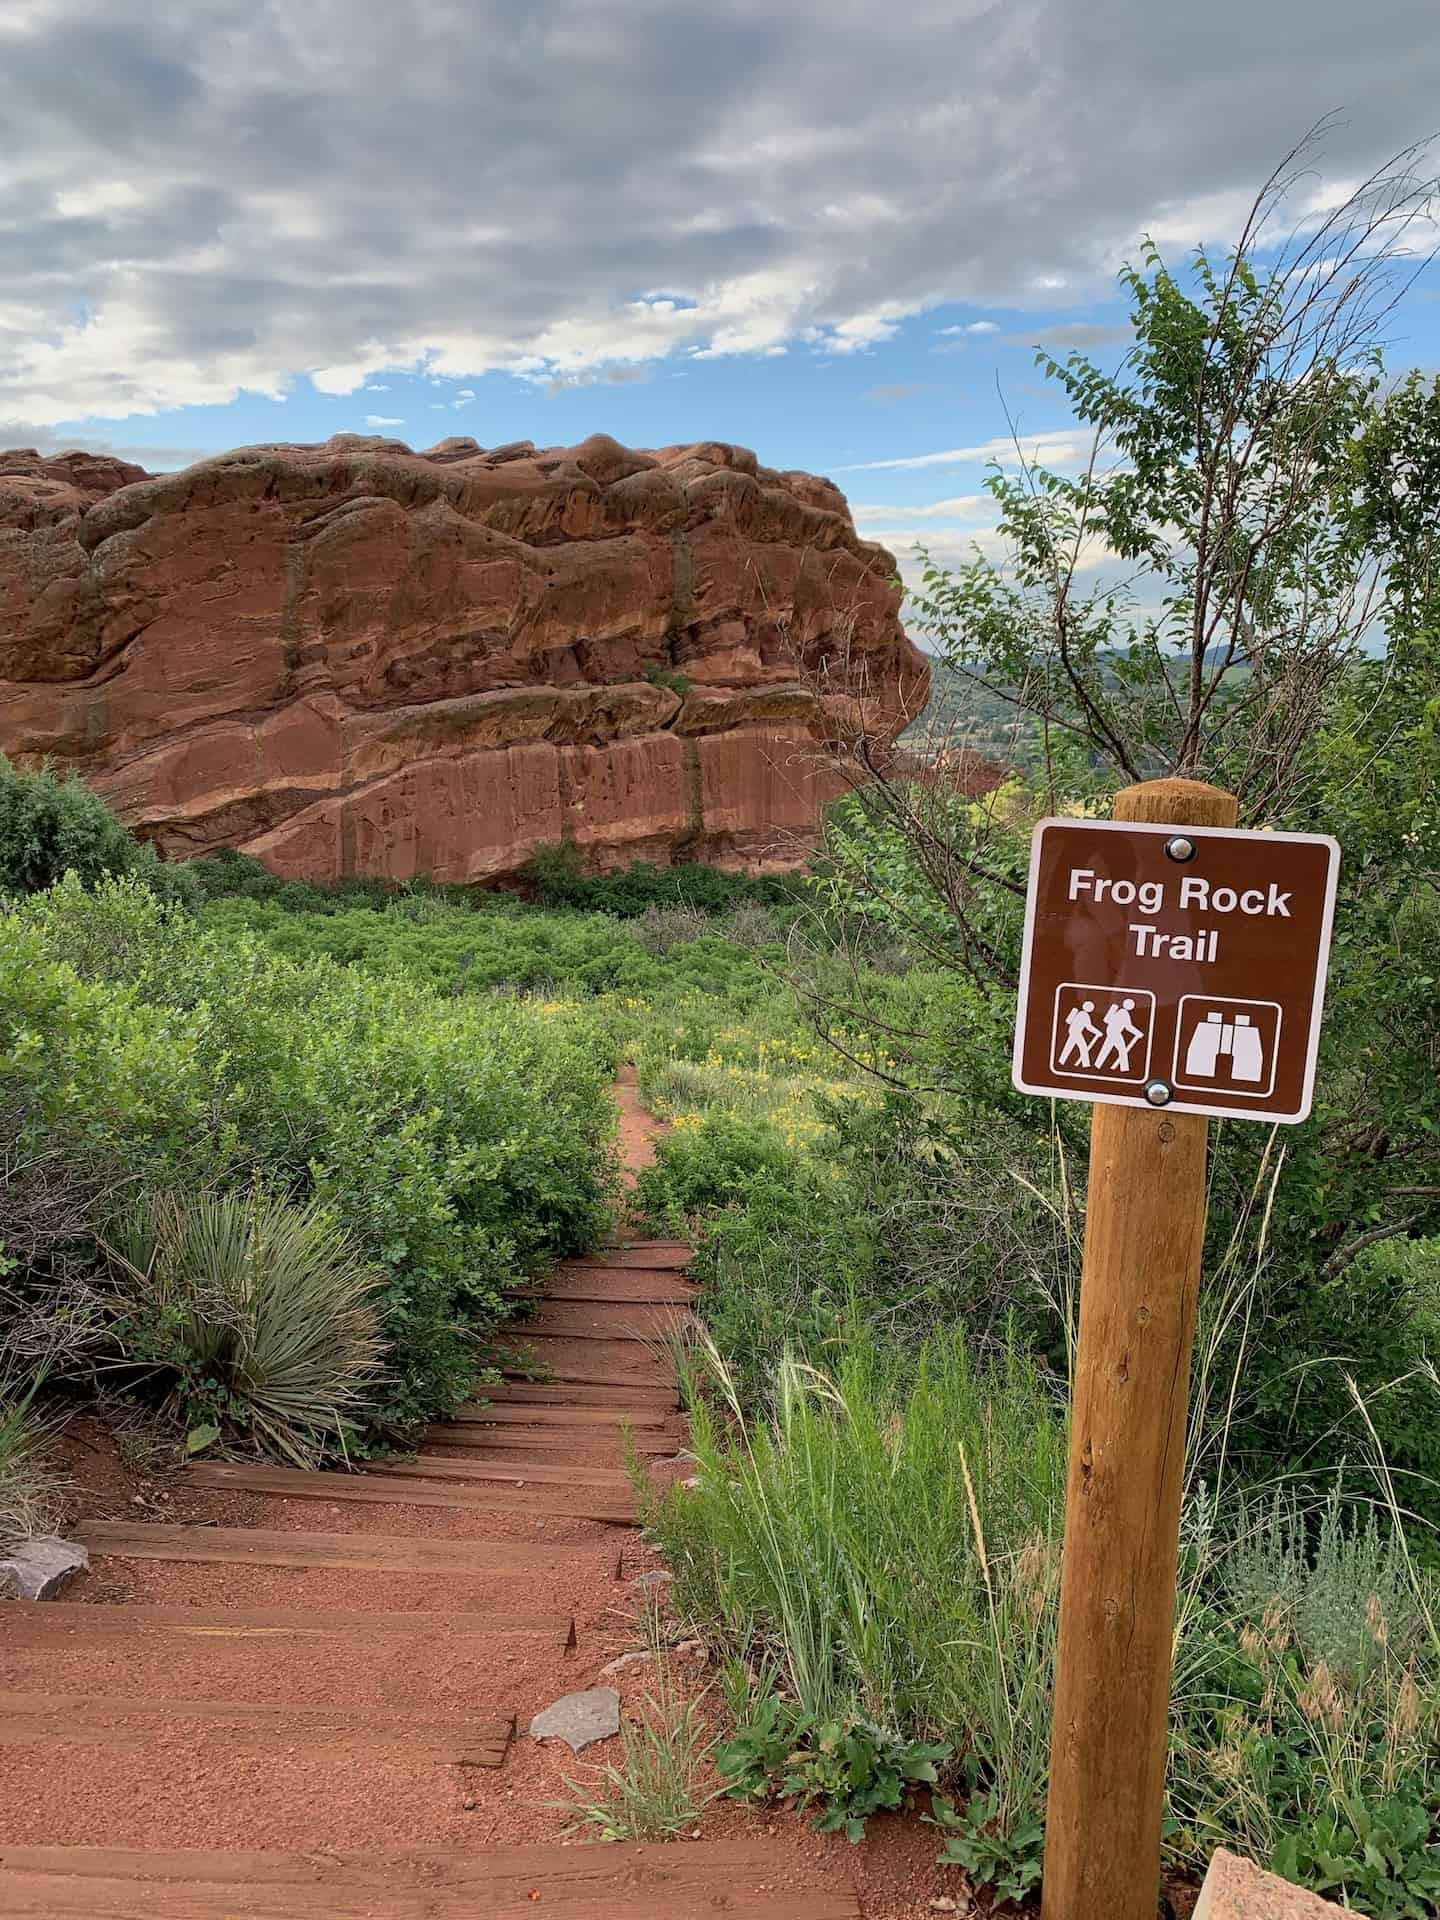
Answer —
1173 968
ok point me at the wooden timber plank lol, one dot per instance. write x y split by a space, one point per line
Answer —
44 1897
636 1285
614 1360
724 1880
251 1727
558 1443
634 1260
579 1373
641 1419
278 1547
606 1320
42 1624
664 1397
635 1253
539 1473
387 1489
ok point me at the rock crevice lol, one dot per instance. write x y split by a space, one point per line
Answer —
356 659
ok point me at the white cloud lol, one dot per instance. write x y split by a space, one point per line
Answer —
960 504
201 201
974 326
463 397
95 199
382 420
1061 448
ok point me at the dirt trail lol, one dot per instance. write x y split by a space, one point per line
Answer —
358 1733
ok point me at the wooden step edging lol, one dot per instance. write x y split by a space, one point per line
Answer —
621 1286
383 1553
577 1422
651 1257
553 1443
704 1880
385 1489
45 1626
521 1391
252 1727
538 1473
579 1373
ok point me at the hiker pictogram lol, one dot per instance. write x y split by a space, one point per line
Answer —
1227 1043
1102 1031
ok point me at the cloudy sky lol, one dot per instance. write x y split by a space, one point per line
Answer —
831 231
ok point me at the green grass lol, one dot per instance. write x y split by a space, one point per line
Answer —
32 1491
657 1788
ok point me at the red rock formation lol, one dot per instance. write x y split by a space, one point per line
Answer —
355 659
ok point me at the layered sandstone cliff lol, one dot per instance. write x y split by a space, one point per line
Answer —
355 659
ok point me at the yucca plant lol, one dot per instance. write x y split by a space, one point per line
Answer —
261 1314
31 1490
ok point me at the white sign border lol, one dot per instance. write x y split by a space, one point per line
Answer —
1072 822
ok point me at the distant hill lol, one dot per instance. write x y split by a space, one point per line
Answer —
961 716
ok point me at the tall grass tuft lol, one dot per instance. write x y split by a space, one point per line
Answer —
32 1493
884 1546
886 1542
656 1790
260 1315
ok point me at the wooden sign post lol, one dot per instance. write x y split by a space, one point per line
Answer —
1110 1012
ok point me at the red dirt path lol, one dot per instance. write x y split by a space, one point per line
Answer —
182 1785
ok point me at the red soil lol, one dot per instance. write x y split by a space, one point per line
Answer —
183 1784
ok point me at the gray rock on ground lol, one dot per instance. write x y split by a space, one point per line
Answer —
580 1719
38 1569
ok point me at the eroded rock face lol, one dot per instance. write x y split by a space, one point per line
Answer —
354 659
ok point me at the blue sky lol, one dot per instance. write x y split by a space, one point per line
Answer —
831 233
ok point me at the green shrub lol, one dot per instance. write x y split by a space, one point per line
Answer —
459 1144
556 877
711 1164
51 826
781 1753
259 1317
680 683
1307 1701
1001 1848
1383 1860
1376 1324
882 1548
896 1216
857 1533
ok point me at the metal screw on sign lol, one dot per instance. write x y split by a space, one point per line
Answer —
1158 1093
1180 848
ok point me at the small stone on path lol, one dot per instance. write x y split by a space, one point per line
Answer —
658 1578
37 1569
580 1719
